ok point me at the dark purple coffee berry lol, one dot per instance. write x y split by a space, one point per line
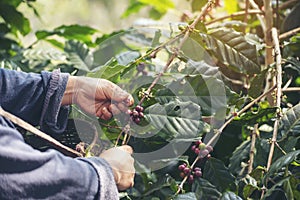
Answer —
198 173
139 108
135 113
197 169
141 115
209 148
191 178
137 120
186 170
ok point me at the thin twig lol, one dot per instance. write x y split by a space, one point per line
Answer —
16 120
291 89
237 14
259 17
252 148
246 14
289 33
278 93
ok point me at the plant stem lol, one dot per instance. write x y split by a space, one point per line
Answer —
291 89
246 14
278 93
16 120
252 148
289 33
237 14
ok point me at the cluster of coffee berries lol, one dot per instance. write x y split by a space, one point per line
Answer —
136 114
190 173
201 149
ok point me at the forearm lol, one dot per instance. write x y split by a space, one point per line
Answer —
26 173
36 98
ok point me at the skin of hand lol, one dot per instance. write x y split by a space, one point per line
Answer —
122 165
98 97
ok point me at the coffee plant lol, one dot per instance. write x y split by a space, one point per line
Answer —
216 114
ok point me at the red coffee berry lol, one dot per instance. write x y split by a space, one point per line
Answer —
197 151
193 147
197 169
129 112
186 170
135 113
208 156
198 173
139 108
181 167
198 142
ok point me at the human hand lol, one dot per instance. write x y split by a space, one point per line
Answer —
99 97
122 165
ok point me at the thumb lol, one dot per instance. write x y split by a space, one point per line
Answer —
126 148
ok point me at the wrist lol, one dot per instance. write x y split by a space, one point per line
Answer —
70 91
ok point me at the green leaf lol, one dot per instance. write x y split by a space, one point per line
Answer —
290 123
79 55
275 187
180 119
160 5
134 7
257 84
127 57
42 55
111 73
186 196
204 190
71 32
248 190
256 116
16 19
206 91
241 154
230 196
232 49
216 173
282 162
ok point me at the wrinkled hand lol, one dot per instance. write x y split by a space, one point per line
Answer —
99 97
122 165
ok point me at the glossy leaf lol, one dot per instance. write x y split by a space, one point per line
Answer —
232 49
15 19
186 196
79 55
219 175
204 190
282 162
180 119
290 123
230 196
241 154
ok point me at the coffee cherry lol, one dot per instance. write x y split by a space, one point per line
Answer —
198 142
202 146
209 148
139 108
197 151
208 156
181 167
141 115
191 179
135 113
129 112
198 173
197 169
137 120
182 175
203 153
187 170
193 147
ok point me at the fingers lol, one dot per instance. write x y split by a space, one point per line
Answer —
126 148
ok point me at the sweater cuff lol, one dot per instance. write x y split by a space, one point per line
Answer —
54 116
107 185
